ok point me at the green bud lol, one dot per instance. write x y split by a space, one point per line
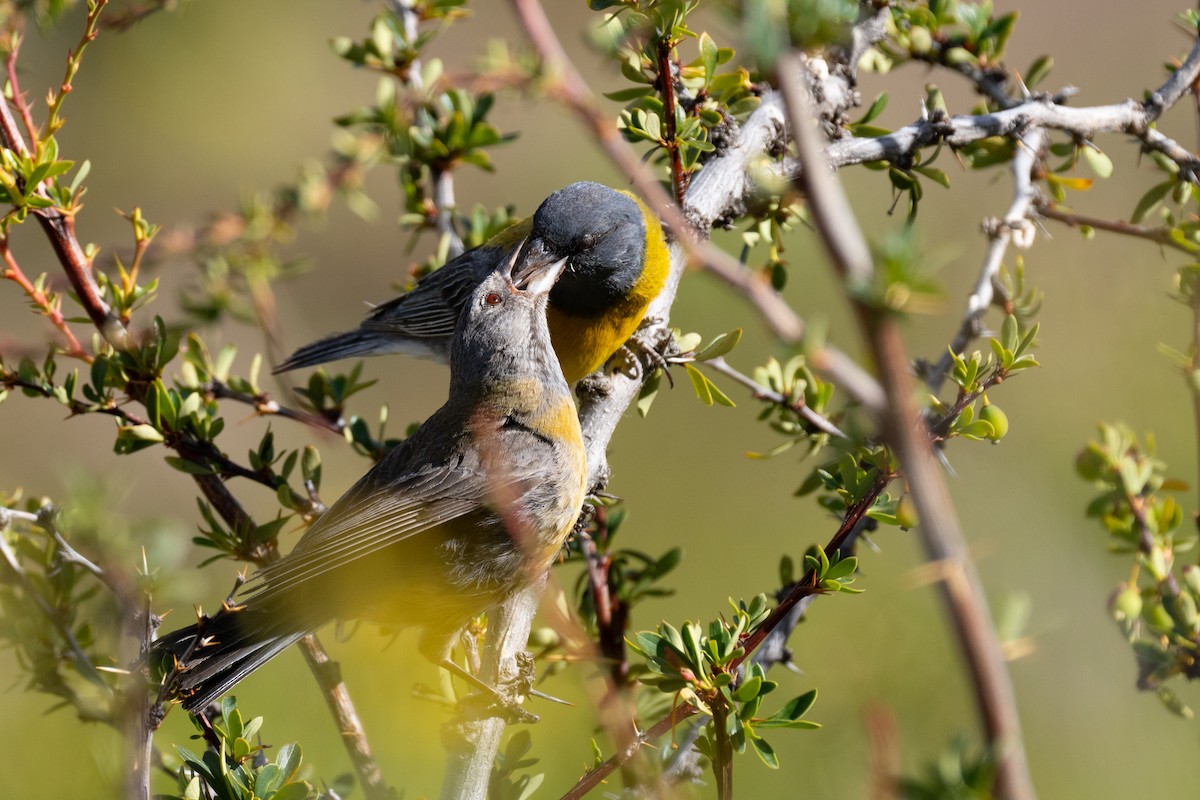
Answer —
992 415
1091 463
1126 603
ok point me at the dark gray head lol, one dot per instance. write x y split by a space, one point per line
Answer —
502 334
601 233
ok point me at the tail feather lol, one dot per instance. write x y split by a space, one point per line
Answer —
351 344
219 651
363 343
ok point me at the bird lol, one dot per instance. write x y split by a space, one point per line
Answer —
469 509
617 263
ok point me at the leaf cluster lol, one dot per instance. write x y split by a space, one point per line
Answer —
234 768
701 669
1156 608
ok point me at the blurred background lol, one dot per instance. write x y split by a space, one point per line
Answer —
189 112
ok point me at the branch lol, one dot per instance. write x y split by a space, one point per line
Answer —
18 97
1160 235
666 86
1015 228
760 392
337 698
51 310
472 744
266 406
939 529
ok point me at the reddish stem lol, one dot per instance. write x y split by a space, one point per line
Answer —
666 85
18 98
49 309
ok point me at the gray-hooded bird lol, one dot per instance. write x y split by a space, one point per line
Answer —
616 264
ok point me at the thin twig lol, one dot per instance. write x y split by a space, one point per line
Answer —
1015 228
666 87
337 698
51 310
18 97
1160 235
939 528
760 392
265 405
144 718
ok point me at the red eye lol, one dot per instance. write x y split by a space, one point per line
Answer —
492 299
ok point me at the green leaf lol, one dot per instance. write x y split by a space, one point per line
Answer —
293 791
934 174
748 689
765 752
877 107
1097 160
648 392
720 345
841 569
700 384
791 712
288 759
1038 70
1150 199
708 55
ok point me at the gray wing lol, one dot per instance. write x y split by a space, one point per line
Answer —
375 513
431 309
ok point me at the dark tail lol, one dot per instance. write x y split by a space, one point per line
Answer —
217 652
340 345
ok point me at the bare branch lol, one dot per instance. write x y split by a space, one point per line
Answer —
1161 235
337 698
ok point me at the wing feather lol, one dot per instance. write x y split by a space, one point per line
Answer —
373 515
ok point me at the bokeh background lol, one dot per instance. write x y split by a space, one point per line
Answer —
189 111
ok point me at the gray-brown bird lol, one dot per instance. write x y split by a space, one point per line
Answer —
459 516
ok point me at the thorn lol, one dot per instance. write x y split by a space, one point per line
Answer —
550 697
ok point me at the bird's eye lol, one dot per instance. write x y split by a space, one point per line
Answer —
492 299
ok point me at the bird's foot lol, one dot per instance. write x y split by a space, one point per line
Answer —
504 700
651 347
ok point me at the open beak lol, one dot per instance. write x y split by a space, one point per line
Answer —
534 270
540 278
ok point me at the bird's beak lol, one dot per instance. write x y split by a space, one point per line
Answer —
533 269
539 279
